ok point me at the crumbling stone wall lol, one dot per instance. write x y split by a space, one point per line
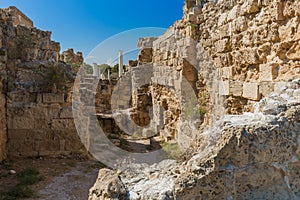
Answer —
238 51
249 156
3 130
37 116
16 17
247 42
247 52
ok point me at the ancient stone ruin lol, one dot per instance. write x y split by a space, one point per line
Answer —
223 83
36 115
240 58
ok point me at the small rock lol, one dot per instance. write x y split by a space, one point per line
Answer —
12 172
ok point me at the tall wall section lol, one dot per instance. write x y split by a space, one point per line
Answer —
232 53
36 119
3 130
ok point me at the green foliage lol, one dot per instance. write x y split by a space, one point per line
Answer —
194 25
172 150
115 68
103 67
74 65
25 178
29 176
18 192
203 99
53 76
190 108
88 68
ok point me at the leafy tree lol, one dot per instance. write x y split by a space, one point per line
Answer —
115 68
88 68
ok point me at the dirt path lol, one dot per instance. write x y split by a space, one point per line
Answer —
72 185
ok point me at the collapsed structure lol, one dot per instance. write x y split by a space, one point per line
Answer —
238 57
241 58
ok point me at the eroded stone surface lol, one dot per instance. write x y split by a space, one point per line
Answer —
35 86
249 156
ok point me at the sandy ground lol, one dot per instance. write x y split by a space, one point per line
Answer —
63 179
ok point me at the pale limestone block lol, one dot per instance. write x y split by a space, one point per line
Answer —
268 72
251 91
266 88
224 88
236 88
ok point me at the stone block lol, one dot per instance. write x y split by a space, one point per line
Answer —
53 98
249 7
66 113
294 52
287 32
3 55
224 31
42 124
250 56
23 123
233 14
224 88
238 25
268 72
296 93
266 88
227 72
236 88
251 91
223 45
280 87
222 19
61 124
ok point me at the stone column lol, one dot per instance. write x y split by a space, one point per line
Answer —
108 73
96 70
120 63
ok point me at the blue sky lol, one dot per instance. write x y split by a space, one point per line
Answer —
83 24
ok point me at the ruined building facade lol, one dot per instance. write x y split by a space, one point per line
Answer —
241 57
232 53
36 115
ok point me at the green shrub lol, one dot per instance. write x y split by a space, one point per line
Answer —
172 150
18 192
25 178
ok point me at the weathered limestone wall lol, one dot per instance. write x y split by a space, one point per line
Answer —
16 17
251 43
176 69
232 53
245 51
249 156
37 90
3 77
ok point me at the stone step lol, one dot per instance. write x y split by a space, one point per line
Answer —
90 80
91 76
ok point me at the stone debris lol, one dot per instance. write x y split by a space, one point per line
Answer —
108 186
249 156
242 56
232 66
